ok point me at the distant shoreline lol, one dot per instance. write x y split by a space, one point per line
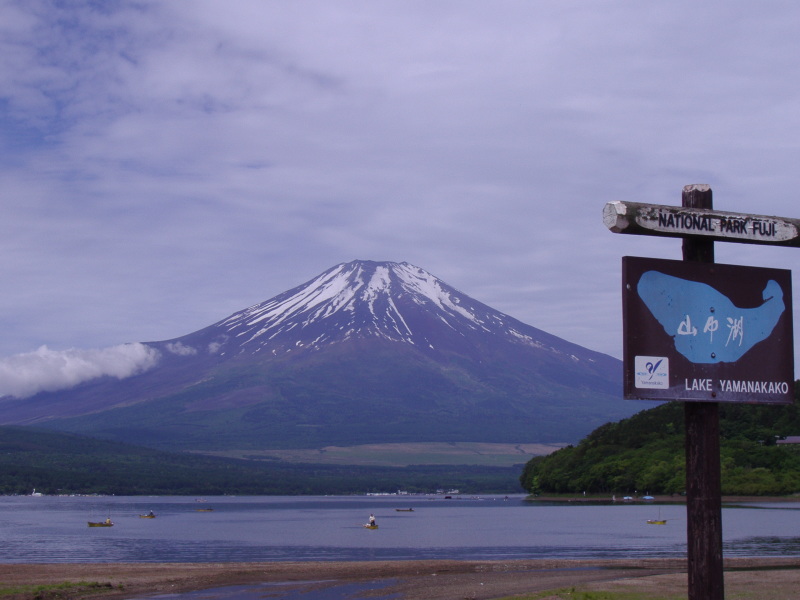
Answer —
657 499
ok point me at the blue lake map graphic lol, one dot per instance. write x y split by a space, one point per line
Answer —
706 326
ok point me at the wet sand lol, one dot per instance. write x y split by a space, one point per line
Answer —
413 580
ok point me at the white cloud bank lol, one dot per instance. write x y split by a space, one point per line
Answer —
24 375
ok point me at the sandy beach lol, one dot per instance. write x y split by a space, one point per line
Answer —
761 579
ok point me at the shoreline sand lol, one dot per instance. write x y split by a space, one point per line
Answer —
762 578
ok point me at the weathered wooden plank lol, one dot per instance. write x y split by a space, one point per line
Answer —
679 221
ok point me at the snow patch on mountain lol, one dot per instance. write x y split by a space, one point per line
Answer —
393 301
429 287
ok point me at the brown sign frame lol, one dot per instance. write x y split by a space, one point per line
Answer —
669 355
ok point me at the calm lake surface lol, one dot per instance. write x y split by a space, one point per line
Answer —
244 529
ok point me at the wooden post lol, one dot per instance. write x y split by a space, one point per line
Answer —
703 476
699 225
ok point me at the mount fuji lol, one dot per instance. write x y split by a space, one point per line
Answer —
366 352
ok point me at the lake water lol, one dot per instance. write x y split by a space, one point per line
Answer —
251 529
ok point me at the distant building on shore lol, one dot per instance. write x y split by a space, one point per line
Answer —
790 439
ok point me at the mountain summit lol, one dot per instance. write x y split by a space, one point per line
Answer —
392 301
367 300
365 352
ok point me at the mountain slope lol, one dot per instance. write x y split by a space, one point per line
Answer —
365 352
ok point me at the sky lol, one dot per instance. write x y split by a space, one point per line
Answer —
166 164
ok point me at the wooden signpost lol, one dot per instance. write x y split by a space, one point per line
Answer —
699 225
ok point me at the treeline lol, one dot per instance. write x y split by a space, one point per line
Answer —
58 463
645 454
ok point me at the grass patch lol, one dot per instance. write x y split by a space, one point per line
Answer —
576 594
405 454
66 589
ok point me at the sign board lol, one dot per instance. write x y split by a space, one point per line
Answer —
677 221
707 332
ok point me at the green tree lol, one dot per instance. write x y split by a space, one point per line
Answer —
646 453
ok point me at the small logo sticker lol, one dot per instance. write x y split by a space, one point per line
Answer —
651 372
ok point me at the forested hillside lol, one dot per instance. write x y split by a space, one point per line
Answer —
645 454
58 463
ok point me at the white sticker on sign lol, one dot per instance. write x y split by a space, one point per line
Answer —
651 372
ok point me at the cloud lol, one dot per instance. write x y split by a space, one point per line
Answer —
181 349
24 375
166 164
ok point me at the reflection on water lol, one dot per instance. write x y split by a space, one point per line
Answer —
763 546
252 529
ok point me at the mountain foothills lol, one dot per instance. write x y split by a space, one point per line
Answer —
52 462
366 352
645 453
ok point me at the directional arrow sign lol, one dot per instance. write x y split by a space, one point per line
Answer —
676 221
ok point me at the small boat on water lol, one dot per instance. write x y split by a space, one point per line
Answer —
404 509
150 515
106 523
371 523
658 521
204 509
